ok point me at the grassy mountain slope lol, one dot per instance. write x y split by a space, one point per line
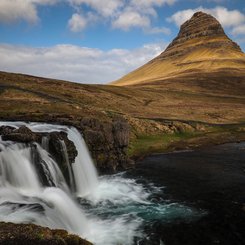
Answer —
23 95
200 47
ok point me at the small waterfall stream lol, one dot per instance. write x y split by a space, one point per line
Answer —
107 210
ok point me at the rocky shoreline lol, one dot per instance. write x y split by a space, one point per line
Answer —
29 234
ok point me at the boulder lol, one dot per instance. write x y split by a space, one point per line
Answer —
22 135
30 234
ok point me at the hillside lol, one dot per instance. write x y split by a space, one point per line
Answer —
201 50
25 96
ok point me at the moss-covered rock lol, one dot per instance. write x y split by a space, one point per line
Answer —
29 234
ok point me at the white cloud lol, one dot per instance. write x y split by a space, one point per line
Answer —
77 23
239 30
130 19
42 2
139 13
73 63
15 10
124 14
228 18
157 30
105 9
149 3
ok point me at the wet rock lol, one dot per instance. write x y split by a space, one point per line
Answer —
41 166
56 149
107 142
4 130
22 135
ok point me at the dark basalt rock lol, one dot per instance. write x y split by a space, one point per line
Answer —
4 130
22 135
107 142
56 149
41 166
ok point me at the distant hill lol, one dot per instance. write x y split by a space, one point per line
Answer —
200 56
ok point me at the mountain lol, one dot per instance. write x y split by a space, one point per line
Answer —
201 50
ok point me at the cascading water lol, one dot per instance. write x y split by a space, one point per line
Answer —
107 210
65 156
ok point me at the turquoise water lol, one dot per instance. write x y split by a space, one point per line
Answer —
129 206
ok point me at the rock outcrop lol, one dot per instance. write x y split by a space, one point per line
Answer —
201 47
22 134
29 234
107 142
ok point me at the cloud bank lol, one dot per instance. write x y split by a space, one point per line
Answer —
74 63
16 10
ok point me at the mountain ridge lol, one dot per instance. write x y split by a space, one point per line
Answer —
198 48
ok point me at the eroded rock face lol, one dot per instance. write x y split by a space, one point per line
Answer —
108 142
55 147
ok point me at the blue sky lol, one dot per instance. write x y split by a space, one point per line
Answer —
97 41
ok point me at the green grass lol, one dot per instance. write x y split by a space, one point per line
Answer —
147 144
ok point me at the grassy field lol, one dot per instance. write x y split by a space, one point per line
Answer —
147 144
216 101
149 109
144 145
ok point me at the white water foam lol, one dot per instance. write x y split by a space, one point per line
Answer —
23 198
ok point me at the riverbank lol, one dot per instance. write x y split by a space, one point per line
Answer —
204 135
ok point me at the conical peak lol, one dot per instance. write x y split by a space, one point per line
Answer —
200 24
201 30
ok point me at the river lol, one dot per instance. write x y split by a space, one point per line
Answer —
194 197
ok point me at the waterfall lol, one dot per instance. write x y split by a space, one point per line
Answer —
71 174
45 143
16 168
33 188
84 170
